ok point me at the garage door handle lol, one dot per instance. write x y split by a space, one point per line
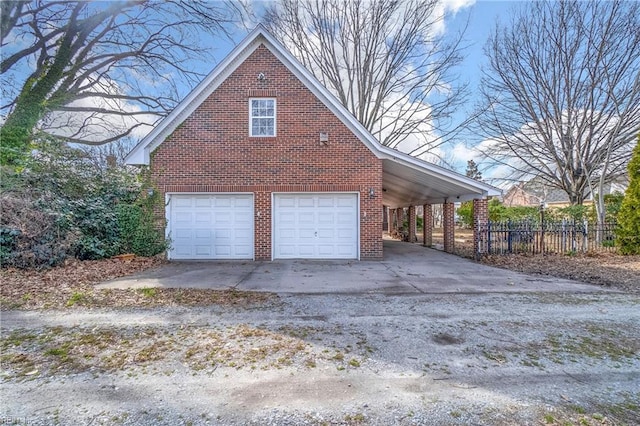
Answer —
316 233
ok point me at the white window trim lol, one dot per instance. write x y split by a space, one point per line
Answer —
275 117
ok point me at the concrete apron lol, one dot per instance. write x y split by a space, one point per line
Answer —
406 268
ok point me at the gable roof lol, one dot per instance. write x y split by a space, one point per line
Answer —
406 180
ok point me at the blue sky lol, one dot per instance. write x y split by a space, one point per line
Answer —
482 17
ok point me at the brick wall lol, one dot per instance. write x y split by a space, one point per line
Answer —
427 223
211 151
411 218
448 225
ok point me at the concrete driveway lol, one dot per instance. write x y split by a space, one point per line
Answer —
406 268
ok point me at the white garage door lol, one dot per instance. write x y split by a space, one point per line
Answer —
315 226
211 226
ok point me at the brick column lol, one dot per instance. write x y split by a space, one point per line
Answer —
427 225
412 224
389 220
480 227
399 218
448 224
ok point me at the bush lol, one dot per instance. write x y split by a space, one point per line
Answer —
137 232
30 236
60 203
498 212
629 215
576 213
465 214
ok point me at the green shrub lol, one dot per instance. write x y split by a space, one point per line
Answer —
629 214
8 240
137 232
465 214
577 213
60 202
612 206
498 212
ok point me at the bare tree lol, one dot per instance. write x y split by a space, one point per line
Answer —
85 70
387 61
562 93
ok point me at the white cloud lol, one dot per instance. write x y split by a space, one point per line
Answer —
93 126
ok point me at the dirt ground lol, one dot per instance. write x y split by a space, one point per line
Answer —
192 357
370 359
604 269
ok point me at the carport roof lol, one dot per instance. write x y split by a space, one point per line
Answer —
406 180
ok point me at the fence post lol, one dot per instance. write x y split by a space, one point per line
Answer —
542 228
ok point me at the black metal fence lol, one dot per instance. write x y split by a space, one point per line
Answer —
549 237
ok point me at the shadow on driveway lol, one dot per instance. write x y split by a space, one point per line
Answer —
406 268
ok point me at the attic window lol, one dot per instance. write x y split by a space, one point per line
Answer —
262 117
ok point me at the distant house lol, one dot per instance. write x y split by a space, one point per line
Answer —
535 192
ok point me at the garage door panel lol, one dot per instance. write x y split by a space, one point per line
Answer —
204 250
320 226
182 201
201 202
244 203
345 218
346 201
223 235
306 250
287 250
222 201
183 217
202 233
284 201
326 201
306 218
223 251
344 234
202 217
305 201
326 250
306 233
244 251
326 218
326 234
344 250
211 226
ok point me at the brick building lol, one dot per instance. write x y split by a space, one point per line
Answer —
261 162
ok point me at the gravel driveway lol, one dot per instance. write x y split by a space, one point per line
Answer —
377 359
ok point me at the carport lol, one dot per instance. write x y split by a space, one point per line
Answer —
408 182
